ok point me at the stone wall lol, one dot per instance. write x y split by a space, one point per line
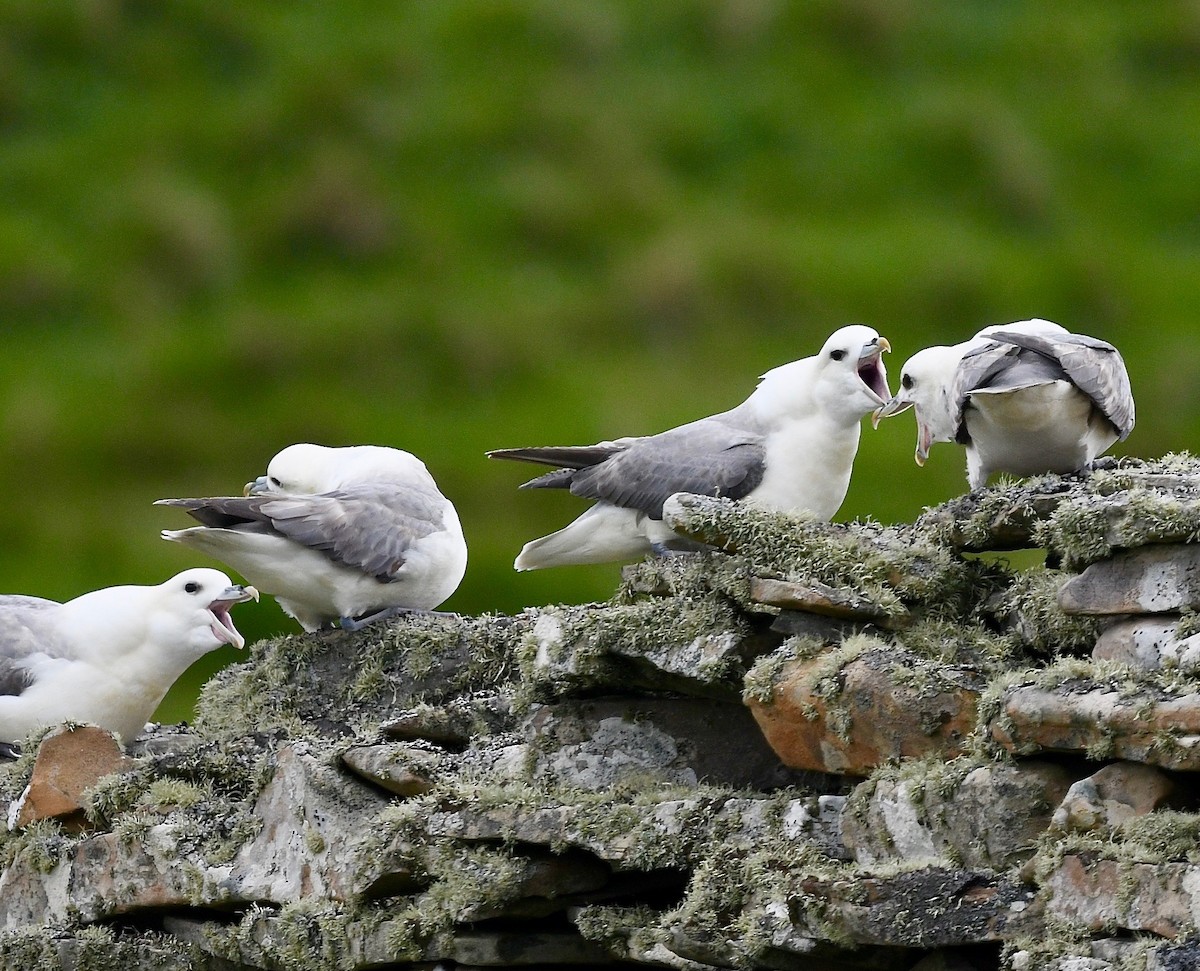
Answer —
820 747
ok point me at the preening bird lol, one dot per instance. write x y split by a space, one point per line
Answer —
789 447
108 657
1025 398
349 534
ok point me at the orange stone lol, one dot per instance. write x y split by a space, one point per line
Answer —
69 762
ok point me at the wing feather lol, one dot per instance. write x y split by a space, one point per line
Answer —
370 527
25 635
1094 366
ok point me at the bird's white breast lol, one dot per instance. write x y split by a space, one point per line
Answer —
808 465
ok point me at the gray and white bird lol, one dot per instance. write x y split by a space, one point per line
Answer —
350 534
108 657
1025 398
789 447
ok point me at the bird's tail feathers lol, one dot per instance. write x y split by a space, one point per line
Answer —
562 456
603 534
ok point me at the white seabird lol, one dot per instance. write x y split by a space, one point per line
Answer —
348 534
108 657
1025 398
789 447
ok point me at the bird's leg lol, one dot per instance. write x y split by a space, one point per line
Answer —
664 551
358 623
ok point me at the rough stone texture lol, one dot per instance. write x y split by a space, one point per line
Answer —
1160 898
315 825
608 742
991 817
825 601
69 761
583 786
1150 643
871 718
401 769
1111 796
1102 722
1154 580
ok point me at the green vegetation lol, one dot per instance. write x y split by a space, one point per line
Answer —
468 224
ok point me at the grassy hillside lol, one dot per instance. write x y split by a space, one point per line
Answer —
451 226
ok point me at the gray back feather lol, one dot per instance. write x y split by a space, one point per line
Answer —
25 632
1019 359
369 527
709 457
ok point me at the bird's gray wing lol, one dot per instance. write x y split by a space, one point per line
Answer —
705 457
25 633
1094 366
1001 365
369 527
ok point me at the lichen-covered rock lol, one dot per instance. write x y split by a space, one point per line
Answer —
1154 580
400 769
977 816
1111 796
1150 643
313 840
453 724
69 761
850 710
588 784
1155 722
694 647
1103 895
335 683
612 743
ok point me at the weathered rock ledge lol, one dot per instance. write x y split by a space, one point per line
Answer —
820 747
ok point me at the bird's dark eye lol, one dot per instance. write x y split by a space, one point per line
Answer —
837 355
906 382
275 482
191 587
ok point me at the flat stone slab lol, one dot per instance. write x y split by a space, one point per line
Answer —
1097 894
1152 580
927 908
991 818
1149 642
827 601
69 761
1102 723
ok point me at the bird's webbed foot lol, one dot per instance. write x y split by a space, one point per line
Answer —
10 751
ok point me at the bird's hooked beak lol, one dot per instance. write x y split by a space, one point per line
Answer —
222 626
257 487
896 404
871 370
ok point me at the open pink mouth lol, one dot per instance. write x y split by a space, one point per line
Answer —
871 372
222 624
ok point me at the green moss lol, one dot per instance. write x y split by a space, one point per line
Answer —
1030 607
296 685
888 565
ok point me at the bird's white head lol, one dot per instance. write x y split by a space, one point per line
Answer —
846 380
925 387
191 611
174 623
306 469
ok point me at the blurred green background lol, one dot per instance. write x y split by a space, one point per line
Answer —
451 226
